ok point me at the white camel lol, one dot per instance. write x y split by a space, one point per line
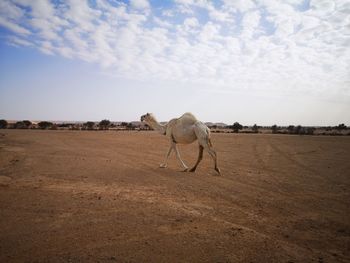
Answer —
184 130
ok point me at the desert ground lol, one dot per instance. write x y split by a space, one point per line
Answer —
100 196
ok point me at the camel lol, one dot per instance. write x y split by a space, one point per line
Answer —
184 130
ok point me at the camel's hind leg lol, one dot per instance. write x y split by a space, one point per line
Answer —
213 155
200 156
203 136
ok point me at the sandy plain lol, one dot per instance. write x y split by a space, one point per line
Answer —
99 196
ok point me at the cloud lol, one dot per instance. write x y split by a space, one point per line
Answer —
140 4
250 23
16 41
15 28
288 47
191 22
239 5
10 10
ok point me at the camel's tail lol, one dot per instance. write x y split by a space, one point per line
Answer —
209 142
209 139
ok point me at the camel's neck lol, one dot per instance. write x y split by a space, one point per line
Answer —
155 125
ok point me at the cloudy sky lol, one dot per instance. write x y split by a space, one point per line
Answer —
253 61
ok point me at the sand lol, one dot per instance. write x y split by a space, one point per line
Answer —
100 196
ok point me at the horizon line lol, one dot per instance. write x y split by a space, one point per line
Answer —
205 122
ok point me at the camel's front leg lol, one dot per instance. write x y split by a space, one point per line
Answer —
200 157
165 164
179 157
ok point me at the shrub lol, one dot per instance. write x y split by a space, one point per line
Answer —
45 125
3 124
130 126
290 129
27 124
19 125
310 130
299 130
23 124
104 124
89 125
274 128
340 127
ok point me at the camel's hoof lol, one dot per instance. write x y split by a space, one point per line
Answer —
162 165
218 171
185 170
192 170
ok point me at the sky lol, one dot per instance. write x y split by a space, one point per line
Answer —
252 61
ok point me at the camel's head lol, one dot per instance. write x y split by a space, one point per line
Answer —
147 117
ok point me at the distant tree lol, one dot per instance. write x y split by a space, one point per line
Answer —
89 125
236 127
274 128
341 127
290 129
45 124
130 126
75 126
310 130
64 125
27 124
255 128
104 124
3 124
124 124
299 130
23 124
19 125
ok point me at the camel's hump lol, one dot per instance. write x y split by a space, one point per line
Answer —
188 115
